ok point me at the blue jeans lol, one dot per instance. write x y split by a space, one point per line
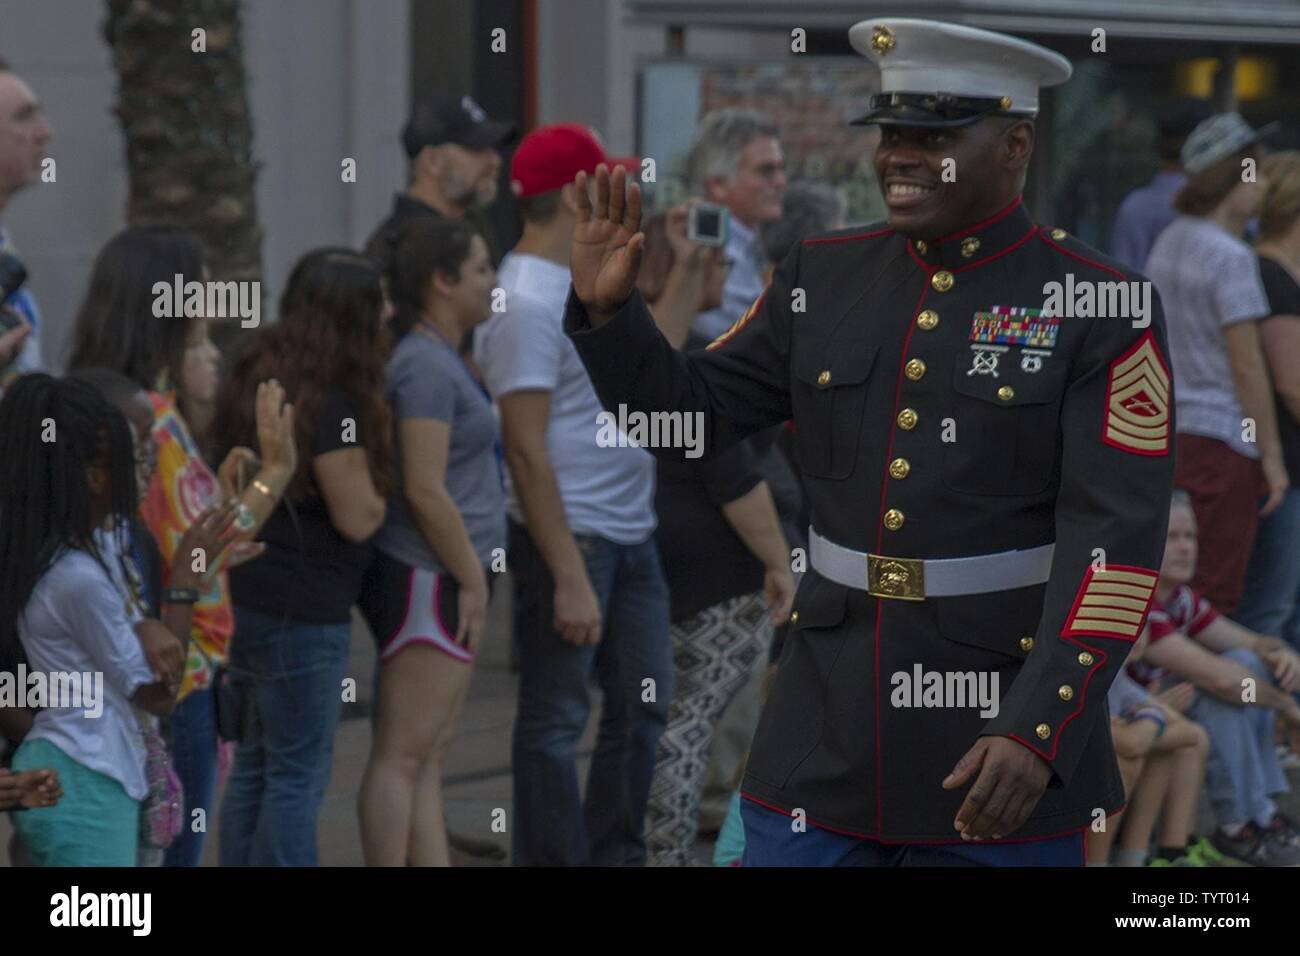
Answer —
552 825
268 816
1273 576
1242 773
194 756
772 840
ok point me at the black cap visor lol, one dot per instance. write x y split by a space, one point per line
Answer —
487 134
933 109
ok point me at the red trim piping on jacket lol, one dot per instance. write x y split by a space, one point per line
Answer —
853 238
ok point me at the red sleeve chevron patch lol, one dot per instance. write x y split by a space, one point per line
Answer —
1112 602
1137 400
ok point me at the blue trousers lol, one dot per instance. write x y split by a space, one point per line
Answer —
554 825
273 797
1273 578
1242 773
194 756
772 840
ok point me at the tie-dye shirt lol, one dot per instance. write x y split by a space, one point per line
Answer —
182 486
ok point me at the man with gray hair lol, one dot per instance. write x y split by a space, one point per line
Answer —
736 161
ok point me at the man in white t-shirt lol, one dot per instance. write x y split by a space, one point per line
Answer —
1229 455
589 588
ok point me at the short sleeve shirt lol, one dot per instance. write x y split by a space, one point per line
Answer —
607 490
1186 612
309 571
1208 279
77 622
428 379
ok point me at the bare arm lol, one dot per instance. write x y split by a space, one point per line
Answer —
1255 392
524 416
754 517
355 508
426 443
677 306
1217 676
14 723
1225 635
1280 337
158 698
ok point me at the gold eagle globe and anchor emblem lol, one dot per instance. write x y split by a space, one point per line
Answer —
883 40
902 578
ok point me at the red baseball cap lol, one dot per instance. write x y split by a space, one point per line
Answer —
550 156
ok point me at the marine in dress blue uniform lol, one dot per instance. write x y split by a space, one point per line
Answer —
989 482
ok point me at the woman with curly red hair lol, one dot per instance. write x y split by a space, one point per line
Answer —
292 605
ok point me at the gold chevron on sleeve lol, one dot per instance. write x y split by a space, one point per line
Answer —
1137 401
1112 602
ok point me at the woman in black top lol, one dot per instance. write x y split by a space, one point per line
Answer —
1272 595
724 555
292 605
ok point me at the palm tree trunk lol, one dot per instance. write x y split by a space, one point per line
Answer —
186 121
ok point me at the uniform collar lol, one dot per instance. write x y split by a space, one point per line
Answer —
975 244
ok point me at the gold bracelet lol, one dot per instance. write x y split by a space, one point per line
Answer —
264 488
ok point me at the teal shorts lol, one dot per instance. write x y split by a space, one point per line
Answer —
95 822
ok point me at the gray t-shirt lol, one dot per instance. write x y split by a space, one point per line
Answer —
607 491
427 379
1208 279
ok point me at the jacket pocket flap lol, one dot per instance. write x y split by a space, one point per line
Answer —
844 364
1000 621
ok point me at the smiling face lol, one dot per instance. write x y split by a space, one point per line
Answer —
937 180
753 193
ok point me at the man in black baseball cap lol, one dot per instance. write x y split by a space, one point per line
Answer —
454 148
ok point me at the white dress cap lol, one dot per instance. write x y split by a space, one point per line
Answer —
929 57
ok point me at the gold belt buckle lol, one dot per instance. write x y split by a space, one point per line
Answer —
901 578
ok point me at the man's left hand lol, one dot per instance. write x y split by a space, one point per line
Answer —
1009 781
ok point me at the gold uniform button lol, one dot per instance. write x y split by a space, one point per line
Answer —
914 370
1005 103
969 246
1058 234
920 246
907 419
823 378
1026 644
899 468
1043 731
1006 393
1065 692
927 320
893 519
794 618
941 281
1085 659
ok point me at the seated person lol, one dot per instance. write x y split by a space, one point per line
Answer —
1233 670
1161 758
